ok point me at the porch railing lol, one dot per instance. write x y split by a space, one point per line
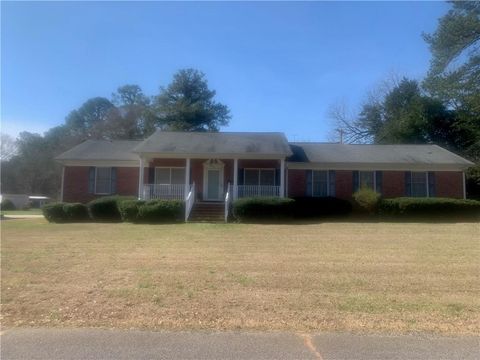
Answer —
257 191
189 201
228 199
164 192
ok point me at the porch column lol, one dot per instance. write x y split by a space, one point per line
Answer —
63 183
282 178
141 173
235 179
187 177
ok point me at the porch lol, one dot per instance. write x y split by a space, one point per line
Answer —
173 179
177 191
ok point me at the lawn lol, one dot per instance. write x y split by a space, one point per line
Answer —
361 277
22 212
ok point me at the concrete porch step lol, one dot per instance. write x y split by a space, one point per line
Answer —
207 212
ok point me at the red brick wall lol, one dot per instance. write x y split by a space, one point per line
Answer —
75 183
393 184
343 184
449 184
297 183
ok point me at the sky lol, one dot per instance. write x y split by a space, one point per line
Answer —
278 66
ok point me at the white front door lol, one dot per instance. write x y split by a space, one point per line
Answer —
213 181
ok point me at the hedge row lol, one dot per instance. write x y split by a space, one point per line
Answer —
116 209
273 209
430 208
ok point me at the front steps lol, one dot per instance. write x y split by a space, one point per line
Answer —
207 212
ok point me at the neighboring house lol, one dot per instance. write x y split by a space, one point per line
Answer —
171 165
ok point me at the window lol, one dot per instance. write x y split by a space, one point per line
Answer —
320 183
103 180
169 176
259 177
366 180
419 184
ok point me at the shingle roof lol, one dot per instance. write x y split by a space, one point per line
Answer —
208 143
121 150
375 154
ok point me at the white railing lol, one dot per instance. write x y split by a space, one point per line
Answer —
257 191
228 197
164 192
189 201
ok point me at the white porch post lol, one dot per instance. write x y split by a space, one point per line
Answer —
141 173
282 178
187 177
235 179
63 182
464 185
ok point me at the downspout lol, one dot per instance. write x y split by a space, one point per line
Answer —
464 185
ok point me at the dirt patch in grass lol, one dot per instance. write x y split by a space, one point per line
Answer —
393 278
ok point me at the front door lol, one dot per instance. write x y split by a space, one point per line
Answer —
213 180
213 186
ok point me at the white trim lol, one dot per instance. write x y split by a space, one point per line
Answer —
374 167
101 163
427 184
464 185
141 181
235 179
328 182
213 164
95 183
282 178
62 184
187 183
170 178
259 169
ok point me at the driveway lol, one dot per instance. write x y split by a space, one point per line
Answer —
115 344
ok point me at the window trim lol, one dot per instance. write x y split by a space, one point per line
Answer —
170 173
95 184
259 169
328 182
427 182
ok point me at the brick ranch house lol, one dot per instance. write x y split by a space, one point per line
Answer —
211 169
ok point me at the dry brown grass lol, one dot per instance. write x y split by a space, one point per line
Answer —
333 276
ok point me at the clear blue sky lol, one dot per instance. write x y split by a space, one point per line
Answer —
278 66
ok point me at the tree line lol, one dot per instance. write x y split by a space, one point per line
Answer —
186 104
443 108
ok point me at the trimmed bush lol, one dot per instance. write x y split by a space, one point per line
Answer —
263 209
55 212
317 207
7 204
430 207
161 211
367 199
129 209
76 212
106 208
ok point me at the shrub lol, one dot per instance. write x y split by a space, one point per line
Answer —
129 209
263 209
430 207
161 211
314 207
7 204
75 212
367 199
55 212
106 208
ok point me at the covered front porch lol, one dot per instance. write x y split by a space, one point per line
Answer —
211 180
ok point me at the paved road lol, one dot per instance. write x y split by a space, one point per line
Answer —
87 344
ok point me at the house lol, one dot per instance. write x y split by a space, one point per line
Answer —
209 168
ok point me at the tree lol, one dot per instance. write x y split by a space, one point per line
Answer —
454 75
187 104
8 147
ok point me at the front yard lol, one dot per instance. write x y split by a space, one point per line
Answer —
362 277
